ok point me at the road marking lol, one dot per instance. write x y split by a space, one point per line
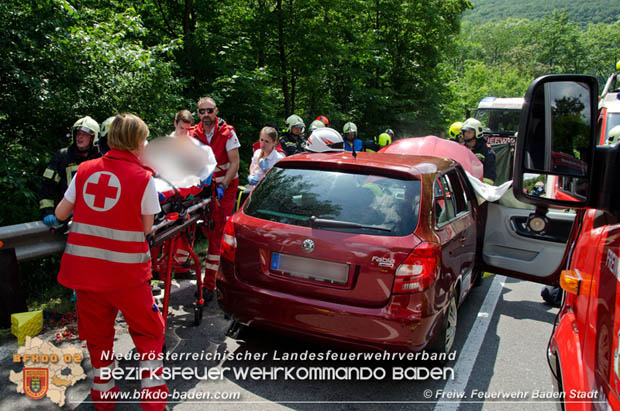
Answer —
467 357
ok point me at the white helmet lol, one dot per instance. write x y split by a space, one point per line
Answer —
295 121
349 128
105 126
473 124
316 124
324 140
614 134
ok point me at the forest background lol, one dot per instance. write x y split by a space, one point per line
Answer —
413 66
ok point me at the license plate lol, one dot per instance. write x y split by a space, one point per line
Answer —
310 268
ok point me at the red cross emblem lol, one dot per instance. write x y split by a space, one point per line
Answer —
102 191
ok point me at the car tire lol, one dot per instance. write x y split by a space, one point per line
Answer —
236 330
445 339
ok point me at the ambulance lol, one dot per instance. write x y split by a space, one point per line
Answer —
573 240
500 117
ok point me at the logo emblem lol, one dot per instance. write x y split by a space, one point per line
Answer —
102 191
36 381
308 246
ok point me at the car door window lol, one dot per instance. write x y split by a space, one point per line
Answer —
460 197
443 201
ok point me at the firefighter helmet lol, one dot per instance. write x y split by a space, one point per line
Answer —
349 128
473 124
390 132
323 120
613 135
324 140
105 126
455 130
618 65
384 139
295 121
316 124
88 125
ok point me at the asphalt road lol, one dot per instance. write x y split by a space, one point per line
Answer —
503 330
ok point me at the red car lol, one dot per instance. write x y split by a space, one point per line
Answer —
375 251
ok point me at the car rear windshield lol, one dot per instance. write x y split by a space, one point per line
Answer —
338 201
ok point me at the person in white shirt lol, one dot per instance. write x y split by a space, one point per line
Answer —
266 156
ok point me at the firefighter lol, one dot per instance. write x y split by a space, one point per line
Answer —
323 120
380 141
107 259
293 140
64 165
454 132
473 139
614 133
221 137
316 124
350 138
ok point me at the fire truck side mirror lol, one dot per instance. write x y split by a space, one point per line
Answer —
555 146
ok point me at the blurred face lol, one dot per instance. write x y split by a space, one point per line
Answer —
182 128
208 114
469 137
296 130
83 140
349 136
267 144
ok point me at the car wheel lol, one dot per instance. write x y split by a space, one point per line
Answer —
445 340
236 330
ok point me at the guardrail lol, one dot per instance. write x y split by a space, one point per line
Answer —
32 240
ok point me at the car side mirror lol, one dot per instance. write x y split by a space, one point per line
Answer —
556 142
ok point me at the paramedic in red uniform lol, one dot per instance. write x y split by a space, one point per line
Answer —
221 137
107 259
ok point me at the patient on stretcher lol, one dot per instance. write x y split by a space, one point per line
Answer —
183 166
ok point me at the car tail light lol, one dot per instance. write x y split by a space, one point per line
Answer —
229 241
419 269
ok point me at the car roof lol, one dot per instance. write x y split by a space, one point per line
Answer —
402 164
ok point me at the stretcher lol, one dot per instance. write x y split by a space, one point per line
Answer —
184 185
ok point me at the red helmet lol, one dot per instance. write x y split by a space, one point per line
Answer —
323 120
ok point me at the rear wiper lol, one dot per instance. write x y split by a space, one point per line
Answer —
323 222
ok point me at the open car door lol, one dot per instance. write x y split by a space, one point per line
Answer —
532 238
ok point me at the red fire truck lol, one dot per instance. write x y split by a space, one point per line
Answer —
579 248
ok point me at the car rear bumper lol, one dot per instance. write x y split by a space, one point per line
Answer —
401 325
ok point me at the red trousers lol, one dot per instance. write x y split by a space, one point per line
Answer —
214 236
96 317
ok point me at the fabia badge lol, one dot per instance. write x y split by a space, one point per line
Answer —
308 245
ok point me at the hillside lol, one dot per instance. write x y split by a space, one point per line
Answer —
592 11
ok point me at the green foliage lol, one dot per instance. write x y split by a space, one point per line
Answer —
60 63
583 12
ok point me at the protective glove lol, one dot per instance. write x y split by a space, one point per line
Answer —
219 192
252 180
50 220
263 164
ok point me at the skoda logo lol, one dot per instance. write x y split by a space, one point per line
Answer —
308 246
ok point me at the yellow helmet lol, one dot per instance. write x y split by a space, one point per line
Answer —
618 65
384 139
455 129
